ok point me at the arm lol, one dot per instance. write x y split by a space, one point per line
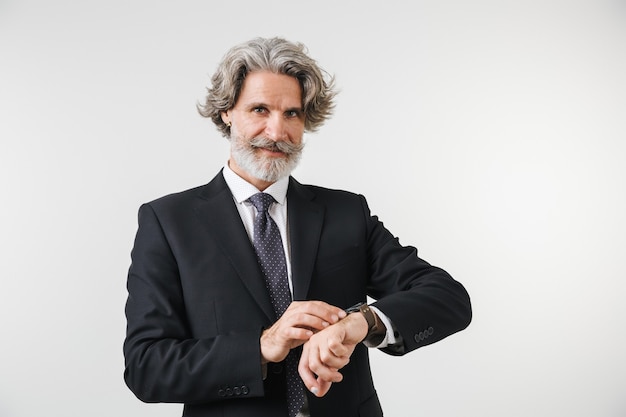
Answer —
164 361
179 350
423 303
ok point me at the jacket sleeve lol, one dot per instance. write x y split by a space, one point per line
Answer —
424 303
163 362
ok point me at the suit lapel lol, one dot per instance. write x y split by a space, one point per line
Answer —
305 218
217 211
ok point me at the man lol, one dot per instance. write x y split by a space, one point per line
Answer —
211 321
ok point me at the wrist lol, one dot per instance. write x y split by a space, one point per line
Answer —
355 327
375 328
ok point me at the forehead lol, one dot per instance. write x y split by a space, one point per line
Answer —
264 87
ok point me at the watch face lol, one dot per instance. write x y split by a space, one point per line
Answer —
354 308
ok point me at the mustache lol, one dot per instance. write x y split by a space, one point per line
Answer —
280 146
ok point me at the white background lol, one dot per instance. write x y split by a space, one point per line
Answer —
489 134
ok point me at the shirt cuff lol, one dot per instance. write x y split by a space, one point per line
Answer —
390 338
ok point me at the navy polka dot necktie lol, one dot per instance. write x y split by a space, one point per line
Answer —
271 255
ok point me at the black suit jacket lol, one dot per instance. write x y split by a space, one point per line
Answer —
197 301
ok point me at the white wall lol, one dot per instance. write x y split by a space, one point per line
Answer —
490 134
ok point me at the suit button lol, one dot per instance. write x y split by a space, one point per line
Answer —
221 393
431 330
244 390
237 391
229 392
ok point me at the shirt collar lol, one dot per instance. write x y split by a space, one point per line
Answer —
243 190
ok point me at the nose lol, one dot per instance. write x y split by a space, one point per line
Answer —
276 128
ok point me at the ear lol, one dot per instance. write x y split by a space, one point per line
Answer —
225 117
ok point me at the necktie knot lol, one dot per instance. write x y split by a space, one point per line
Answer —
262 201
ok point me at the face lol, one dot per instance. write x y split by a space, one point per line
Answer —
267 128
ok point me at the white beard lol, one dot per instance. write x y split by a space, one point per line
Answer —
244 153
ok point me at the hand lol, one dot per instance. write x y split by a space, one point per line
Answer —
299 322
328 351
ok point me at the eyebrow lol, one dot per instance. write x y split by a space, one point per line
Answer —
261 104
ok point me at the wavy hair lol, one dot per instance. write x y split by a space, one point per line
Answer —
278 56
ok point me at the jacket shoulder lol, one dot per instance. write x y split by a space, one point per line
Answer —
317 191
177 197
181 198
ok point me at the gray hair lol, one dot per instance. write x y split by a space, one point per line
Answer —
278 56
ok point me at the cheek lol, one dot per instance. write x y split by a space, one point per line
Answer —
251 129
296 133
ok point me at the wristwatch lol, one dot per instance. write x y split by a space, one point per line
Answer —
370 317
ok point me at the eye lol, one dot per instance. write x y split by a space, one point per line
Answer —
293 114
259 109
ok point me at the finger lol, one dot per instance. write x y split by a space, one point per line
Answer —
295 333
323 370
337 349
304 320
311 367
320 309
332 362
334 354
319 387
322 387
308 377
285 335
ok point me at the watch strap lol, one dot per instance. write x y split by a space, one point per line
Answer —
367 312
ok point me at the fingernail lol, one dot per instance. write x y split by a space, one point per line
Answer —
325 324
314 390
342 314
